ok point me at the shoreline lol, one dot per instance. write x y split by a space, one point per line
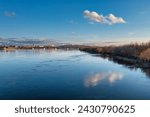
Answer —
134 62
104 52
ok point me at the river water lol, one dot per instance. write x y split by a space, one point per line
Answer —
73 75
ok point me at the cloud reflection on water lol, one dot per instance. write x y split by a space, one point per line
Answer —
95 79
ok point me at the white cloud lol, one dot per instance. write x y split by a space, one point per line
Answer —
73 33
109 19
113 19
93 16
9 14
131 33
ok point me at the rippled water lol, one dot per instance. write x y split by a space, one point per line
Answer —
58 74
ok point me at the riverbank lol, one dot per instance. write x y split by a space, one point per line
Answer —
64 47
134 55
137 56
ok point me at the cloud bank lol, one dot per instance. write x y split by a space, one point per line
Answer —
109 19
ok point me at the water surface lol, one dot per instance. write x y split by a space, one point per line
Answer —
58 74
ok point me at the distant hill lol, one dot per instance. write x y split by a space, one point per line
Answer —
25 41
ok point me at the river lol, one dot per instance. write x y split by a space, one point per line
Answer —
68 75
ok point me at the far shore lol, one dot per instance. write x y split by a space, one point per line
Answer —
135 55
40 47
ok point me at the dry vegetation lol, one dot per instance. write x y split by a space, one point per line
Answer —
145 54
133 51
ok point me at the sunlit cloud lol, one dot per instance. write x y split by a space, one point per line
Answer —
95 79
99 18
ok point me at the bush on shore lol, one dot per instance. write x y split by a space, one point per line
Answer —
133 50
141 51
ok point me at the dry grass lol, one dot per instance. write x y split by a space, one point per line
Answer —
134 50
145 54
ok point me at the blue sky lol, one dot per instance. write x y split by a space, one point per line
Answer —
76 20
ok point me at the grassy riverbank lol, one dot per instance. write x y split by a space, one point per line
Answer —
137 55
